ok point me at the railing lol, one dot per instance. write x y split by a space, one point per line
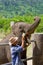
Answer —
4 44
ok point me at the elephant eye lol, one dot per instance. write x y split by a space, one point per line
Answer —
20 27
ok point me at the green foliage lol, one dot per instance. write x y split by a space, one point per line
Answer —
5 23
11 8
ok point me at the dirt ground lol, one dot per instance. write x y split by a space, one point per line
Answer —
29 54
29 62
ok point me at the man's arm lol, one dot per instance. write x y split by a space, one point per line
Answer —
23 40
22 47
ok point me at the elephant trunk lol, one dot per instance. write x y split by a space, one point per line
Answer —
33 26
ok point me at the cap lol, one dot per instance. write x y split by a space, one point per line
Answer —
12 39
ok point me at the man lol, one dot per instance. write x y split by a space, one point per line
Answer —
16 49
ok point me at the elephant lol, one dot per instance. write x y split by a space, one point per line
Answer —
17 29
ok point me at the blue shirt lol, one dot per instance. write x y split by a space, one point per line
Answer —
15 54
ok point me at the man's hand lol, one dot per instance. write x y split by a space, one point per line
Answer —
23 40
23 36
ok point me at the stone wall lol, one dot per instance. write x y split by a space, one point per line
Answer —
37 49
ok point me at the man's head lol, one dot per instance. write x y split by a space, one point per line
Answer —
13 40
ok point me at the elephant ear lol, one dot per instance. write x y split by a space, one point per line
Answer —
32 28
12 25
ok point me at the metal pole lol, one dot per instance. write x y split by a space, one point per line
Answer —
3 44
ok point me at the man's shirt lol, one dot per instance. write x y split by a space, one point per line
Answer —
15 54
